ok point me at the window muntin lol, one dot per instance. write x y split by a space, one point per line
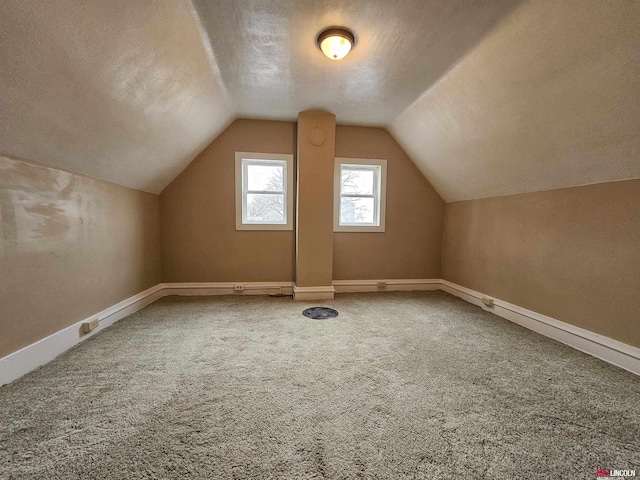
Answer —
359 202
263 187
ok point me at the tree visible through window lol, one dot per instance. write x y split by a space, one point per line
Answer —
359 195
265 193
263 185
357 187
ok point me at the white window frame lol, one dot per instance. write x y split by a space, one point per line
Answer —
379 194
243 159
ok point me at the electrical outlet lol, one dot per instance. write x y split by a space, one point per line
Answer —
88 326
238 287
487 301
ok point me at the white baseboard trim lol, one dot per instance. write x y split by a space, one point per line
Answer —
390 285
23 361
227 288
605 348
323 292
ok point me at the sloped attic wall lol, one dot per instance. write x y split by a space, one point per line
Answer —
70 246
572 254
200 242
548 99
122 91
546 95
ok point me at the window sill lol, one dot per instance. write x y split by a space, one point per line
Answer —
264 227
357 229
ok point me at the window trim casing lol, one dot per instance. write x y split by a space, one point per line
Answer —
288 190
382 163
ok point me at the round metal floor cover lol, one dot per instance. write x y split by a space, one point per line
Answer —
320 313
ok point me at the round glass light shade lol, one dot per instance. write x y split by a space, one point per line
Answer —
335 43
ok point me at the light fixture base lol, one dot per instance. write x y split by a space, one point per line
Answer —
336 42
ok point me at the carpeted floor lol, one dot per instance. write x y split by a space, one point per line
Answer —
400 385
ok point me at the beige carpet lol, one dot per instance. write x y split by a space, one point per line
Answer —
400 385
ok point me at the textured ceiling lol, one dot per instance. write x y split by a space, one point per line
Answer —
549 99
489 98
270 64
121 90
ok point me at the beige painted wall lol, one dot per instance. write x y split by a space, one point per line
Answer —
70 246
314 222
411 246
572 254
200 242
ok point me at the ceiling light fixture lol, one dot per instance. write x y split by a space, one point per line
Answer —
335 43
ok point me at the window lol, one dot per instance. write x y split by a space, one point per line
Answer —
359 190
264 197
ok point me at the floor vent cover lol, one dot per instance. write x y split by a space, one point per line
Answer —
320 313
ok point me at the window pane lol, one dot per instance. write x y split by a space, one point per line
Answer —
268 178
356 210
265 208
359 182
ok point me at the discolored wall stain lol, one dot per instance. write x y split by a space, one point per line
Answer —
40 206
69 247
8 230
53 220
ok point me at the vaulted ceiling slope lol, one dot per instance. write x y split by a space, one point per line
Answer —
489 98
125 91
270 63
550 98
